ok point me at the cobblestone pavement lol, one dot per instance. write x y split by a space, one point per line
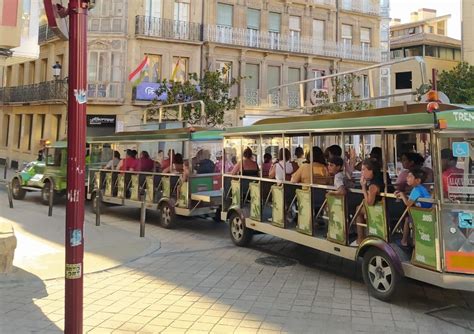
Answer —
198 281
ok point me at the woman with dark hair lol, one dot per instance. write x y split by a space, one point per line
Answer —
318 168
372 185
177 165
248 166
145 163
283 168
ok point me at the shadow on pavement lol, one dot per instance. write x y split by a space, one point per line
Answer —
18 310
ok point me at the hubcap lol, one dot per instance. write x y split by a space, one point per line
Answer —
166 215
237 228
380 274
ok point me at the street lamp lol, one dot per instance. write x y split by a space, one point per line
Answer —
57 70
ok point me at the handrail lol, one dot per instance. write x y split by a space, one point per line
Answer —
180 110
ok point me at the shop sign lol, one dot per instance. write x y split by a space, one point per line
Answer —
101 121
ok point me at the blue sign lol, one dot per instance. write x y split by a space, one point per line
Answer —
146 91
465 220
461 149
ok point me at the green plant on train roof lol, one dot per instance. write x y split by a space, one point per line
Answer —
341 89
212 88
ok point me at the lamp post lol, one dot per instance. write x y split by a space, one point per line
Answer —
57 70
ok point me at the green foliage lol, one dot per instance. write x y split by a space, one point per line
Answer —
341 88
210 88
458 83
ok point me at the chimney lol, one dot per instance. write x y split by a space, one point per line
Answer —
413 16
426 13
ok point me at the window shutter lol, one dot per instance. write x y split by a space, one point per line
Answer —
253 19
365 35
224 14
274 22
346 31
295 23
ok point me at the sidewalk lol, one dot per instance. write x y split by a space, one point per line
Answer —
40 240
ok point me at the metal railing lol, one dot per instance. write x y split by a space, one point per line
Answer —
168 29
275 41
55 90
252 97
45 34
371 7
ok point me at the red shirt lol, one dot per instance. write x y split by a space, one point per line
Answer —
146 165
130 163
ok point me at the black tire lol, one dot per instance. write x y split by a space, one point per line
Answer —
380 275
45 194
217 216
239 233
167 216
17 190
94 199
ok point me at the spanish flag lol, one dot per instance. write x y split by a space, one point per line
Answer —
137 75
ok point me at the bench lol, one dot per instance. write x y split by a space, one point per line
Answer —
7 247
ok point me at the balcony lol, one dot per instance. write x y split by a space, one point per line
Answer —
168 29
370 7
45 34
275 41
49 91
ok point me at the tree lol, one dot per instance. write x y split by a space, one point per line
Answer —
211 88
458 83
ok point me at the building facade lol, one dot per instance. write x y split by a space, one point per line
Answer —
269 42
467 32
425 36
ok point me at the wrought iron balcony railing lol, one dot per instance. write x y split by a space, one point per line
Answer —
275 41
371 7
45 34
252 97
47 91
168 29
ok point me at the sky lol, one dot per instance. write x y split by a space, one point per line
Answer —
402 8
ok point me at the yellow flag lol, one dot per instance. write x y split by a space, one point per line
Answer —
175 70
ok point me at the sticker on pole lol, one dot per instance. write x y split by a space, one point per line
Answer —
461 149
76 238
80 95
73 270
465 220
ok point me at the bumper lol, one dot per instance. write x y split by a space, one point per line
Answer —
444 280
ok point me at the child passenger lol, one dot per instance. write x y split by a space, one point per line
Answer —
335 169
415 178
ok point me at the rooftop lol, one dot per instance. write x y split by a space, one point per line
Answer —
425 39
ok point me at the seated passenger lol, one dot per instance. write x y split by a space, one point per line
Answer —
299 156
416 177
222 166
372 185
283 168
177 165
145 163
451 174
420 162
167 162
204 163
113 164
130 163
408 162
336 151
335 165
318 168
267 164
248 165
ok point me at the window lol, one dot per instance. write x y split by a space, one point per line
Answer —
253 26
414 51
431 51
225 67
180 69
181 11
365 37
5 129
403 80
274 28
318 30
295 32
364 87
42 123
224 15
17 132
29 130
294 75
319 84
346 36
457 55
117 67
411 31
273 80
44 70
153 74
252 84
58 126
152 8
21 74
31 72
9 76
